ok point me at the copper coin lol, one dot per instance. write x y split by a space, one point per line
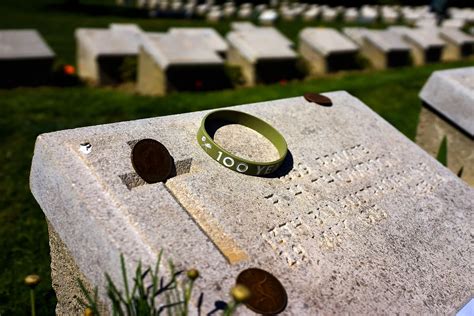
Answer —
318 98
151 160
267 295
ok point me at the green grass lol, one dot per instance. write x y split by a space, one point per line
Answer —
27 112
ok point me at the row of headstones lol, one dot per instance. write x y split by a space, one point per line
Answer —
188 58
194 58
267 14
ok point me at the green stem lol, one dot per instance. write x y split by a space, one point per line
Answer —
231 307
32 299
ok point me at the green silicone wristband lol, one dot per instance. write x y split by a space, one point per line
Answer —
231 161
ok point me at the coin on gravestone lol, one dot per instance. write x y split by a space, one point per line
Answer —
151 160
267 294
318 99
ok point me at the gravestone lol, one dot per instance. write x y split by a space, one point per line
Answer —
268 17
103 54
182 59
326 50
262 53
208 37
214 15
426 45
358 220
245 11
384 49
328 14
426 22
351 15
229 9
389 15
368 14
448 112
454 23
410 15
458 44
311 14
25 58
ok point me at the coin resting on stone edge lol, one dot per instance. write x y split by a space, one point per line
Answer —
151 160
318 99
267 294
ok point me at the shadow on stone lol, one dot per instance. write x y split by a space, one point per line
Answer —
271 71
218 306
198 78
26 72
398 58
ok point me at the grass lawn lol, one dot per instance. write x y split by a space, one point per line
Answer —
27 112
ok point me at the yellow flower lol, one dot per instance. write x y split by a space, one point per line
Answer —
193 274
88 312
240 293
32 280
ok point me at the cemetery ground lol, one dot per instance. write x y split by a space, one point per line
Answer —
27 112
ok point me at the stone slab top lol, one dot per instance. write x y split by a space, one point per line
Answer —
327 41
422 37
386 40
451 93
261 43
119 39
242 26
358 213
21 44
455 35
208 35
170 49
356 34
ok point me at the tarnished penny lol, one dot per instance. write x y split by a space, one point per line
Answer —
268 296
318 99
151 160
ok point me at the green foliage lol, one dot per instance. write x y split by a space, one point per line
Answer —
442 155
128 69
151 294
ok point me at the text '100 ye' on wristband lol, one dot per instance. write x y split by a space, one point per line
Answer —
232 161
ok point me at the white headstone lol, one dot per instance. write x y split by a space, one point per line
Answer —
451 93
360 220
22 44
268 17
261 43
327 41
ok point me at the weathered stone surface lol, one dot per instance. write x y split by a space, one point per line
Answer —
450 93
326 50
101 52
25 58
426 45
359 219
65 275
